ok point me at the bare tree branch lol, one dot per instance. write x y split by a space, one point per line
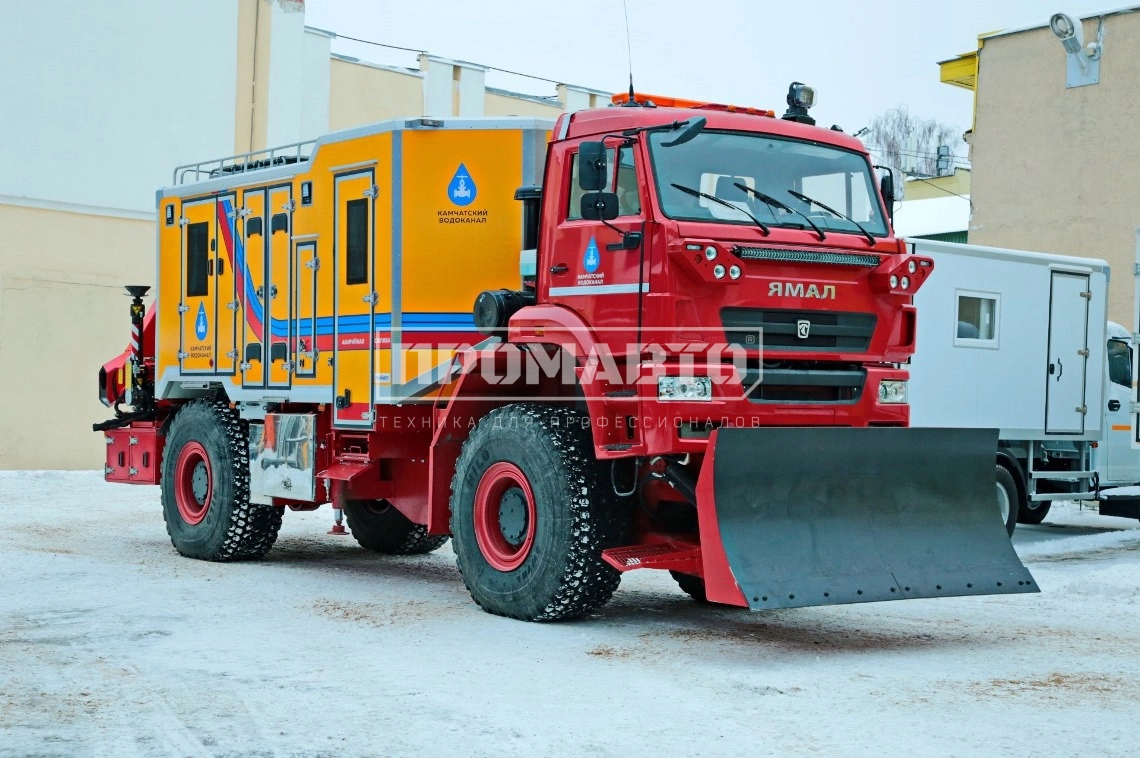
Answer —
901 139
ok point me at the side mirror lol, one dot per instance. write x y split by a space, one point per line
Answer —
891 189
599 206
592 171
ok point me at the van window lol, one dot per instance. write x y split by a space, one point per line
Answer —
1120 363
977 322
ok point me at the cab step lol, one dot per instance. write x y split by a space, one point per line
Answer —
675 556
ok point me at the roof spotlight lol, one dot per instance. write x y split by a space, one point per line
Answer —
800 98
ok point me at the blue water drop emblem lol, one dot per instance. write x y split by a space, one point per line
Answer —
591 260
200 323
462 189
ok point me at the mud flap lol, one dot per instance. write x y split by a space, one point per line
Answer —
823 516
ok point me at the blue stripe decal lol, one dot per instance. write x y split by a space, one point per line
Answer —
349 324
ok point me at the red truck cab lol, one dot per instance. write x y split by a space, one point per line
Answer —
755 243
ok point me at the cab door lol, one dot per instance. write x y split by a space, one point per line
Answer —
279 331
1119 462
252 260
355 299
591 272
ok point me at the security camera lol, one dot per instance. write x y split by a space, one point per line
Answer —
1069 31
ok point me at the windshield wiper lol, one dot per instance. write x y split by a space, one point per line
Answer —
774 203
832 211
697 193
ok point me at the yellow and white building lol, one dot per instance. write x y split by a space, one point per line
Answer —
97 106
1053 146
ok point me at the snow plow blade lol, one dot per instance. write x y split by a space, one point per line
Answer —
825 516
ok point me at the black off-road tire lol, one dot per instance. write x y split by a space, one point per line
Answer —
379 527
576 515
1013 501
232 528
693 586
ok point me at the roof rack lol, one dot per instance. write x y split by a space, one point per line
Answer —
243 162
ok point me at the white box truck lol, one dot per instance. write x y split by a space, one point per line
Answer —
1017 340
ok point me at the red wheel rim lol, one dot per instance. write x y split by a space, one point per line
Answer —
504 516
194 483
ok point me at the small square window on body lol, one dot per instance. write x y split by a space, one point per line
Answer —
977 319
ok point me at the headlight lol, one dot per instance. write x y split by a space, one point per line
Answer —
905 283
892 391
912 267
894 281
718 271
697 388
734 272
710 253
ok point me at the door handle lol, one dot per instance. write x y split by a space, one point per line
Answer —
1060 369
1114 405
272 291
560 268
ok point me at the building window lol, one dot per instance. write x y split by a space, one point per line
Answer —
197 259
356 247
977 322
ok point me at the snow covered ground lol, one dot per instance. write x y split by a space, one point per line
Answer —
112 644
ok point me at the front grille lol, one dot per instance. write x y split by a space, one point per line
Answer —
784 255
805 385
828 331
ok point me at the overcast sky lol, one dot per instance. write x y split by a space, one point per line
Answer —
863 56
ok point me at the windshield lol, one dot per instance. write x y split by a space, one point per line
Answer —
715 162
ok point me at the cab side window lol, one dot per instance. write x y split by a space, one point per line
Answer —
1120 363
629 202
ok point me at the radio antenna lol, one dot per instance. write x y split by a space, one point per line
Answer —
628 53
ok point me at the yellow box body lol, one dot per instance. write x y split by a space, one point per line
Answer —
344 275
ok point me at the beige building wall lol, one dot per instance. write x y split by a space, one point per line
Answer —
362 93
1055 169
71 243
497 104
936 187
62 315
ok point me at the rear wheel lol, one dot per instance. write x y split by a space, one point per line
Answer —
531 513
205 487
378 526
693 586
1008 497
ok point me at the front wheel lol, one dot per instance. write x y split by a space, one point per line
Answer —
531 512
1009 500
